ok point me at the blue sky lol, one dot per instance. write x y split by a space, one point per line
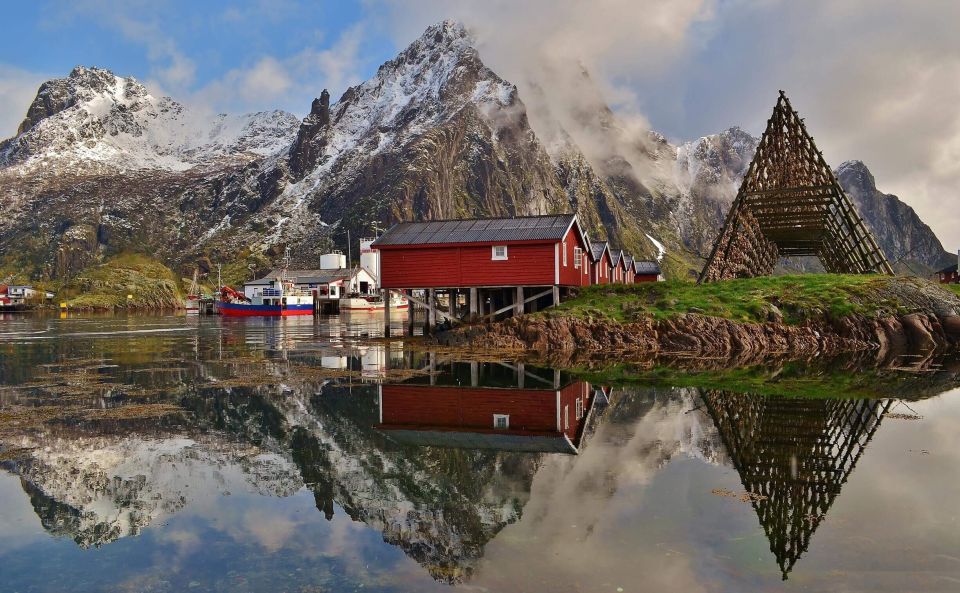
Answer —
875 79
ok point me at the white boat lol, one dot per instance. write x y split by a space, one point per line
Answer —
372 302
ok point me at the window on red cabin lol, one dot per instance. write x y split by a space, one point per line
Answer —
501 421
499 252
577 257
564 254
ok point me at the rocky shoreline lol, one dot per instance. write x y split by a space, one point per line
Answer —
926 323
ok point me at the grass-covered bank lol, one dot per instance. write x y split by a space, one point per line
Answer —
794 299
748 320
106 286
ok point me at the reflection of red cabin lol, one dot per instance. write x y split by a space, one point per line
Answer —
600 263
488 252
546 420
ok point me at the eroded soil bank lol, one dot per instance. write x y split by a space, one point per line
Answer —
888 316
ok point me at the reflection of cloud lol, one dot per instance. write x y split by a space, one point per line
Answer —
270 531
580 523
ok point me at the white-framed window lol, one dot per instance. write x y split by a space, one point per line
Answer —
501 421
566 417
499 252
577 257
564 254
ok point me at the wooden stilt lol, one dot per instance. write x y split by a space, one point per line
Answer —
473 304
431 309
518 302
385 295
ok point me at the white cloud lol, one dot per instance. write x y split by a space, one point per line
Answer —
17 90
286 83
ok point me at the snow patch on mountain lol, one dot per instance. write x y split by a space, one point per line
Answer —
96 120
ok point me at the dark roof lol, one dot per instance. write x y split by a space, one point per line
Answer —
628 261
306 276
948 269
615 257
597 249
646 267
478 230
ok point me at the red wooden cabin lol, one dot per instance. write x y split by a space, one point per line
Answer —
646 271
618 267
628 274
517 419
949 275
600 267
487 252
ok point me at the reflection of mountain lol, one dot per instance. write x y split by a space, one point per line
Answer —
98 490
793 456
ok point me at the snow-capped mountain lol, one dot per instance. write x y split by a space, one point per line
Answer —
100 166
94 120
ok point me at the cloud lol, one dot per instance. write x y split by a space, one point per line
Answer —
286 83
875 79
17 90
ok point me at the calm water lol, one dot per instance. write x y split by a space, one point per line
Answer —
205 454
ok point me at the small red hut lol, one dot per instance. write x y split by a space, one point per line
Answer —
949 275
600 268
646 271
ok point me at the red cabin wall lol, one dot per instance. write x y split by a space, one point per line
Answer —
570 421
527 264
601 270
645 278
570 275
453 407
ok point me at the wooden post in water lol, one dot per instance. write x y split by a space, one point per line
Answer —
518 303
473 304
385 294
431 309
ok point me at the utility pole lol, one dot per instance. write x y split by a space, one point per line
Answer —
349 252
219 280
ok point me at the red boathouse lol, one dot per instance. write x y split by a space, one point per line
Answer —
646 271
504 264
600 267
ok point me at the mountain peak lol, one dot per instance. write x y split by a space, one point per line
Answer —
82 84
857 173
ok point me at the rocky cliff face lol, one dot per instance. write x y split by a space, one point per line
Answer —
100 166
907 241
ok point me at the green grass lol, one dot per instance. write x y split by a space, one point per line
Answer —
107 285
801 379
797 298
954 288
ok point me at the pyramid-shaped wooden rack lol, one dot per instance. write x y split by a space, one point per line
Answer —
790 205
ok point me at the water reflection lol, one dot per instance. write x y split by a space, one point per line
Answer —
340 456
793 457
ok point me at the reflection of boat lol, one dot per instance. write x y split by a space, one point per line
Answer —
192 302
280 300
372 303
532 414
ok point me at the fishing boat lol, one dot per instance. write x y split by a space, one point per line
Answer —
372 302
280 300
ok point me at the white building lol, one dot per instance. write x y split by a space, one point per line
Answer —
20 294
324 283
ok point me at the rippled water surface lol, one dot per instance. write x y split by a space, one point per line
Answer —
300 454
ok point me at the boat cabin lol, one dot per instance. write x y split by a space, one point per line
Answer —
327 284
